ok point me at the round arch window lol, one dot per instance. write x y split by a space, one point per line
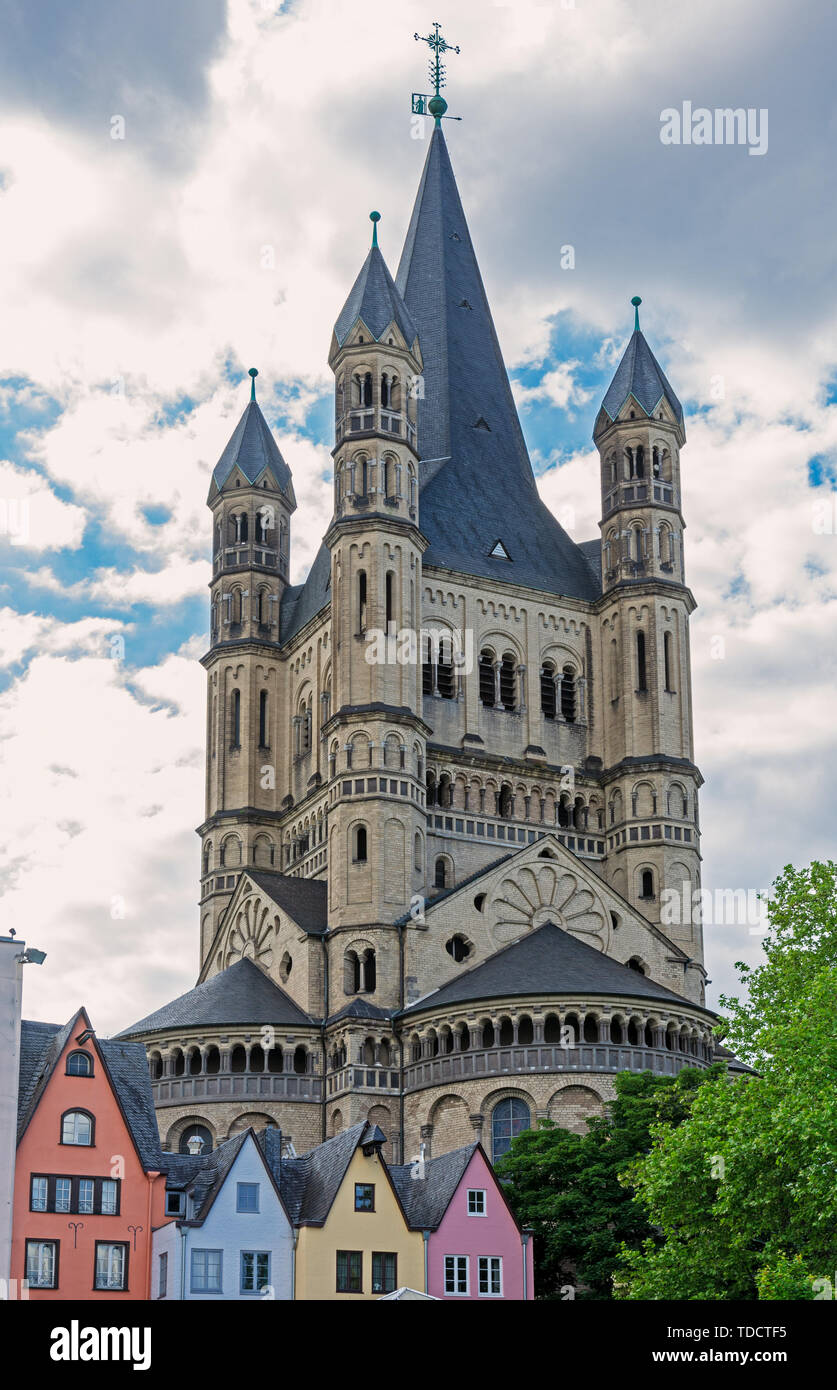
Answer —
509 1118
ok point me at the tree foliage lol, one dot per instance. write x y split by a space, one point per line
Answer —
743 1192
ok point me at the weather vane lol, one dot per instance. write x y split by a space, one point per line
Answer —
436 105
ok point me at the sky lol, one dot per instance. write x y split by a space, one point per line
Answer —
184 193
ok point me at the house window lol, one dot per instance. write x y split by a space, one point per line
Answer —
360 845
456 1274
364 1196
349 1271
42 1264
247 1196
476 1201
255 1270
163 1279
90 1196
79 1064
174 1204
384 1270
111 1265
38 1195
206 1271
490 1276
77 1127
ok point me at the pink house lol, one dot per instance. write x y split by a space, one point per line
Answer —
474 1245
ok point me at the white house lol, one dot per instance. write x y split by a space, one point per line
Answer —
230 1236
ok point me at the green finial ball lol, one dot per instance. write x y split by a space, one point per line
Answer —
437 106
374 218
636 301
253 373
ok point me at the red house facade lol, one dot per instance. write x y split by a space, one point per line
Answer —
89 1186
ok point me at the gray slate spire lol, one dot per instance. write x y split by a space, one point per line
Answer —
374 299
252 448
477 485
640 375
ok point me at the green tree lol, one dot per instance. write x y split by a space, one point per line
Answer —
566 1186
744 1192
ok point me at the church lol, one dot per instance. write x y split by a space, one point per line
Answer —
449 777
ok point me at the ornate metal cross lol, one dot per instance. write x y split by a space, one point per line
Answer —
438 46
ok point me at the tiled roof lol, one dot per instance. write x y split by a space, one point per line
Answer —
640 375
547 960
240 994
304 899
252 448
476 481
374 299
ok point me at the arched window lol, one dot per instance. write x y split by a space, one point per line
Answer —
667 661
235 727
195 1132
505 807
390 598
390 478
647 884
640 461
385 389
263 719
636 964
487 678
418 856
361 601
367 390
548 700
351 973
641 681
509 1118
412 480
77 1127
445 680
636 537
79 1064
508 682
368 972
359 847
440 876
300 1060
655 461
568 694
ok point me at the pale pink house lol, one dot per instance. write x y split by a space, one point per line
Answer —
474 1247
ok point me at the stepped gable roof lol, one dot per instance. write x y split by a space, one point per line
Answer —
41 1046
252 448
304 899
425 1200
240 994
476 481
640 375
375 300
302 602
547 960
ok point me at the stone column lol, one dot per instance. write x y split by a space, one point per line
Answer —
478 1122
427 1140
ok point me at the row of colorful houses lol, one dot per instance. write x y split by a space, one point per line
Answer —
101 1212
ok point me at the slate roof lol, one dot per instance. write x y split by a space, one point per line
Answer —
374 299
547 960
425 1200
640 375
41 1045
213 1170
253 448
592 552
301 602
360 1008
468 417
304 899
240 994
310 1182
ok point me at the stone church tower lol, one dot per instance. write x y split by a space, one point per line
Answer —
450 776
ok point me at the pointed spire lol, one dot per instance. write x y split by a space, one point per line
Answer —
252 449
374 298
476 481
639 375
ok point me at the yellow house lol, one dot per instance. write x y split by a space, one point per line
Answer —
353 1239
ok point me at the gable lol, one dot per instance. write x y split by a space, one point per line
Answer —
221 1215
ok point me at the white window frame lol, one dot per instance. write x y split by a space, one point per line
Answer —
481 1193
457 1293
489 1259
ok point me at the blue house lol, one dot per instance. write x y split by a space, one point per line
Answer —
230 1236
